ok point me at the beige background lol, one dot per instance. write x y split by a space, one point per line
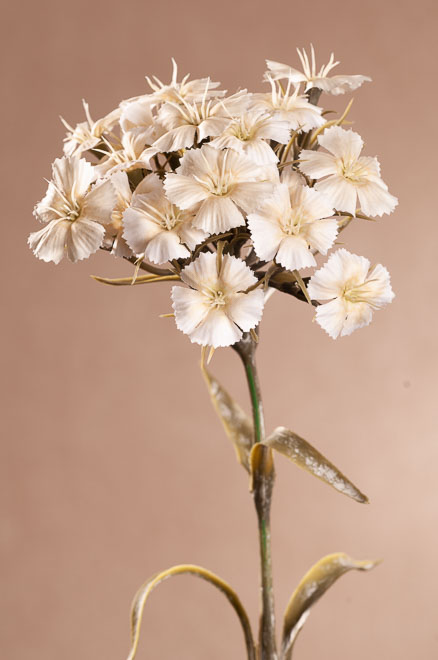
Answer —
113 463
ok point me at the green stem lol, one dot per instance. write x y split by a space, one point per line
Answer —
263 481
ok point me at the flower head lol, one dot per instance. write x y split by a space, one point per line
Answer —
87 134
312 78
155 228
191 90
250 132
74 212
346 175
215 185
290 224
215 310
354 290
289 106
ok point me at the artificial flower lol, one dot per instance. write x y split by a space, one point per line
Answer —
346 175
187 123
294 221
215 310
215 185
87 134
134 153
74 212
190 90
333 85
354 290
114 229
249 134
289 106
156 229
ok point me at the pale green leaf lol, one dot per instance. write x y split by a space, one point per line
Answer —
141 279
310 459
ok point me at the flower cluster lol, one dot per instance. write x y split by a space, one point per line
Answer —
228 194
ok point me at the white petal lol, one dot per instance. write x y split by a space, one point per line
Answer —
218 214
201 272
331 316
190 235
294 253
184 191
48 244
250 196
342 267
317 164
85 238
73 175
341 143
260 152
374 199
341 193
177 138
216 330
358 316
321 234
190 308
340 84
266 236
139 229
378 282
164 247
212 126
99 203
235 274
246 309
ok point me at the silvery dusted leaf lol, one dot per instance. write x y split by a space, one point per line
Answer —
307 457
187 569
314 585
236 423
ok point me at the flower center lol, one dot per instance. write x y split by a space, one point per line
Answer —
292 223
217 298
353 171
361 293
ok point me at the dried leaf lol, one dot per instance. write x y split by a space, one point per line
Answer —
313 585
188 569
235 421
307 457
129 281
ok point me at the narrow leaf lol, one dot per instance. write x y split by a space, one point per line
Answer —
307 457
314 585
129 281
145 590
235 421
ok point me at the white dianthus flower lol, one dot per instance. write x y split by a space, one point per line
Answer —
289 106
346 175
215 185
156 229
250 132
354 290
294 221
312 78
87 134
190 90
215 310
74 214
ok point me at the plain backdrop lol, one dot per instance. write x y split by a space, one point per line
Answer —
113 464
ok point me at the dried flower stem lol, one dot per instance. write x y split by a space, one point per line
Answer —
262 484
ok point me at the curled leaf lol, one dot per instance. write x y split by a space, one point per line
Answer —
235 421
310 459
142 279
145 590
314 585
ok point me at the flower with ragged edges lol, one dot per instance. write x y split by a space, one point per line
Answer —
294 221
354 291
215 310
74 212
345 176
290 106
87 134
133 153
215 185
156 229
334 85
249 134
189 122
191 90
